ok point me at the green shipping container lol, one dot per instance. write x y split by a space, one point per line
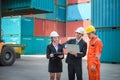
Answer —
39 44
18 25
16 39
34 45
43 5
111 44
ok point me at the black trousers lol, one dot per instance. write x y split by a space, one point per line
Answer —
74 69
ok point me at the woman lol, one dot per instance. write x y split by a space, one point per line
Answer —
55 56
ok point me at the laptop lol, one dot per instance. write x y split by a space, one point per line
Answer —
73 47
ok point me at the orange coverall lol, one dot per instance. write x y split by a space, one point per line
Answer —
95 47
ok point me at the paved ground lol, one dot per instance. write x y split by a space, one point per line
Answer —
36 68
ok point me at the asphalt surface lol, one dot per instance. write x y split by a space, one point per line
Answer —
36 68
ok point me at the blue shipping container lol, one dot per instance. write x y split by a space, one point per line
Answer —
106 13
111 45
61 2
18 25
27 40
40 44
79 12
45 5
34 45
59 14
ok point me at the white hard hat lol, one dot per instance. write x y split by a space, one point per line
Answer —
80 30
54 34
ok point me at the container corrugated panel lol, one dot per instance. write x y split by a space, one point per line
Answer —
72 26
46 5
60 2
54 26
111 44
40 44
70 2
45 27
49 26
81 12
58 14
16 39
52 16
62 39
28 48
61 14
106 13
61 28
17 25
39 27
14 4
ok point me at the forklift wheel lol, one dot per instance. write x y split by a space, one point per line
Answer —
7 56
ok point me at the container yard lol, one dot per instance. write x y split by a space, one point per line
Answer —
26 38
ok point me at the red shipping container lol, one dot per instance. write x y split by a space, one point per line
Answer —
39 27
70 2
62 39
72 26
45 27
61 28
49 27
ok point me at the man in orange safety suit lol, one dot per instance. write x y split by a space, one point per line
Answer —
94 53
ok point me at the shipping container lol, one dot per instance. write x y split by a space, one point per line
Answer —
41 16
17 39
111 44
72 26
58 14
61 15
62 40
60 2
105 13
18 25
40 44
33 45
79 12
43 5
52 16
39 27
71 2
61 28
49 26
45 27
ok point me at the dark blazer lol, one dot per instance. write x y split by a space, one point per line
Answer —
71 59
51 49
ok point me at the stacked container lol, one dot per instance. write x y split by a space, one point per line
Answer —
44 24
78 14
58 13
18 30
105 17
34 34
